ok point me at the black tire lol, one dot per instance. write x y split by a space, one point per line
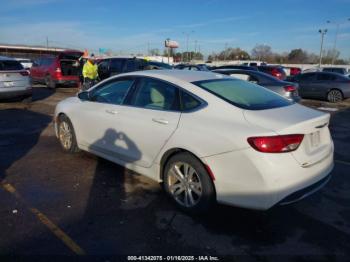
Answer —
208 195
49 82
62 124
334 96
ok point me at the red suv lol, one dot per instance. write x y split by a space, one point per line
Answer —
276 71
62 69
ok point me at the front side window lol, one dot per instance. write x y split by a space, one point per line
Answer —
112 92
325 77
116 65
243 94
307 77
155 94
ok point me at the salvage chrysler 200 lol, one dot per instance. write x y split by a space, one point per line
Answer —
208 137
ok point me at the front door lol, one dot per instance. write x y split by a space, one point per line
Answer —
97 119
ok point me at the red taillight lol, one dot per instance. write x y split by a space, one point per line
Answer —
58 70
276 144
276 73
295 71
24 73
290 88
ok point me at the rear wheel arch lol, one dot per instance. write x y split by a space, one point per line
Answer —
170 153
182 190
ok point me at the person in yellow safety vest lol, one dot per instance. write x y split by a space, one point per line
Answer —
90 69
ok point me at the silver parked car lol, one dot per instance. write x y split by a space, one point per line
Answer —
14 79
323 85
286 89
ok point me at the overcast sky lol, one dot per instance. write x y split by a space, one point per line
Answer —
130 25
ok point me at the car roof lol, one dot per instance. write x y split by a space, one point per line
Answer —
3 58
173 74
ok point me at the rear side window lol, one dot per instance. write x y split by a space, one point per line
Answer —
8 65
188 102
134 65
243 94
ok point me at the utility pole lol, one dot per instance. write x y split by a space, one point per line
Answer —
322 32
225 51
47 43
187 34
336 38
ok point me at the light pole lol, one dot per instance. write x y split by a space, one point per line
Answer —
336 37
322 32
187 34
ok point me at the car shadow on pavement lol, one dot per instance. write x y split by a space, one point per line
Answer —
41 93
19 132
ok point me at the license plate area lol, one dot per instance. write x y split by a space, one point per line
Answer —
8 84
315 139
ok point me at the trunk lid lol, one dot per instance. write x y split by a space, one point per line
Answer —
297 119
10 79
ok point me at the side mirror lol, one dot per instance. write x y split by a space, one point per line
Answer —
84 96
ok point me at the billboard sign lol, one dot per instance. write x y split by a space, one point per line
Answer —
171 43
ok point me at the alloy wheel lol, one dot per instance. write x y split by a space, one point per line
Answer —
335 96
65 135
184 184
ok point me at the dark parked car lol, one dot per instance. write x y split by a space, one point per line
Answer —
63 68
276 71
200 67
244 67
117 65
287 89
323 85
339 70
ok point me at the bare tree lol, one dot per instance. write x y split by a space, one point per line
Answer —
262 52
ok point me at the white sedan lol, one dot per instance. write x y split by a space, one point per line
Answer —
208 137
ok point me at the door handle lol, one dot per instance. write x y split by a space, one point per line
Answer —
160 121
111 111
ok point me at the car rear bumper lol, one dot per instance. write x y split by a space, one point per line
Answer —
255 180
5 94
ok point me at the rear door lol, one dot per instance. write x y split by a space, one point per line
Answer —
306 84
325 81
149 118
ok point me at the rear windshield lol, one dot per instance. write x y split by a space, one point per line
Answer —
70 56
7 65
243 94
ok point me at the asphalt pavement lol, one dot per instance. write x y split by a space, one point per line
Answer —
57 204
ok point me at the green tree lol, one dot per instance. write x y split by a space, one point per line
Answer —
297 56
